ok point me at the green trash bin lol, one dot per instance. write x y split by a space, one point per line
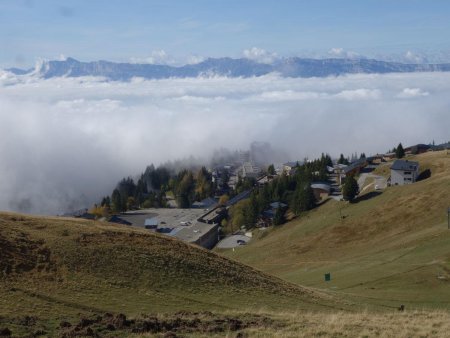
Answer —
327 277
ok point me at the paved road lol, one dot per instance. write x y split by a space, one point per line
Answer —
336 192
380 182
231 241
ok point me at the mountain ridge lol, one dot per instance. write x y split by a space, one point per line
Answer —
293 67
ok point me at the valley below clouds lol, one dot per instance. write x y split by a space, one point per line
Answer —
65 142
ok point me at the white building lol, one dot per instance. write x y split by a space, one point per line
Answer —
250 170
404 172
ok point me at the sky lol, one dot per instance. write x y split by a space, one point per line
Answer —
165 31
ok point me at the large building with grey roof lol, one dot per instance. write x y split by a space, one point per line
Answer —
404 172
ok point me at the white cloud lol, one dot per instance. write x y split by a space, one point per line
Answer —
414 57
161 57
157 57
287 95
338 52
194 59
260 55
67 141
408 93
359 94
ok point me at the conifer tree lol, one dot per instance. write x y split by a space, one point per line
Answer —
279 217
350 189
116 200
399 151
271 169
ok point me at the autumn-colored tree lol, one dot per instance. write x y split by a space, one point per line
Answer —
185 190
99 211
223 200
203 184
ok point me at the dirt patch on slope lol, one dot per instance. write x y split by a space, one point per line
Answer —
168 325
20 254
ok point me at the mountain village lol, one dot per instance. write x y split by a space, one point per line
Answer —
203 222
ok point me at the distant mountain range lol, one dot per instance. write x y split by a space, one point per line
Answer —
290 67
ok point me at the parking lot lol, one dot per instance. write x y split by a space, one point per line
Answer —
175 222
233 241
167 217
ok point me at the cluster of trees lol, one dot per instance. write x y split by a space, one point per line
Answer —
129 195
399 151
294 190
188 188
346 161
343 160
148 191
243 184
151 188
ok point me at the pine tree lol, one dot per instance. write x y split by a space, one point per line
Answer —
271 169
343 160
303 198
350 189
279 217
116 200
399 151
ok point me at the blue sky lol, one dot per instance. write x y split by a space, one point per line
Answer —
125 30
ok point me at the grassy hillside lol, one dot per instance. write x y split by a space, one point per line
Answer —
387 249
56 269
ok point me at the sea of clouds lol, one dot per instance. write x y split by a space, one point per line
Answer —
65 142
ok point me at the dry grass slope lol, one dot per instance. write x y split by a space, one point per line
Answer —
363 324
56 269
388 250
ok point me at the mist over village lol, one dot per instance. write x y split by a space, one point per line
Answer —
224 169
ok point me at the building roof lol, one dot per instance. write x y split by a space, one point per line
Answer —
322 186
405 165
239 197
362 162
194 232
418 146
340 166
269 213
442 146
116 219
151 221
213 214
205 203
276 205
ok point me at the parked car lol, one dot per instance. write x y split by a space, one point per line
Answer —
241 242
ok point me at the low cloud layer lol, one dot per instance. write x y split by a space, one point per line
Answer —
67 141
